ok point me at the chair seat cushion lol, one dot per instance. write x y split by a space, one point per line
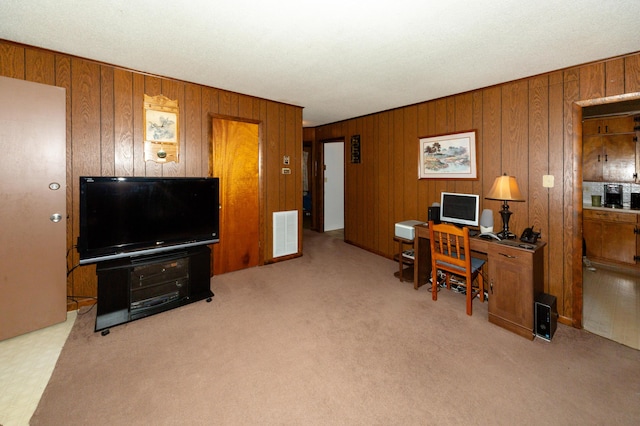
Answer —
475 264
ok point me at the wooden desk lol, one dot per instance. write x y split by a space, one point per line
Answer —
515 277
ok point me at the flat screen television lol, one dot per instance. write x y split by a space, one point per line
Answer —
133 216
459 209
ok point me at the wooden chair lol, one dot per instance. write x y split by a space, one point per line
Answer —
451 254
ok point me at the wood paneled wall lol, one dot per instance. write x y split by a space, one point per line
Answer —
104 134
525 128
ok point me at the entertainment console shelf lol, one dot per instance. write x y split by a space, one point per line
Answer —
136 287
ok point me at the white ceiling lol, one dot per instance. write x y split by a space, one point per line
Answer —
336 58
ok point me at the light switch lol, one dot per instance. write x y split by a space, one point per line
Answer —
547 181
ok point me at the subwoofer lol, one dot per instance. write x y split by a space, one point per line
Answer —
546 316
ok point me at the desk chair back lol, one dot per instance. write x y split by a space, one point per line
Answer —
451 254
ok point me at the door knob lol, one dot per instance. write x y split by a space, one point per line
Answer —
55 218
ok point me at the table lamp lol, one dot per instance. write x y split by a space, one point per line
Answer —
505 188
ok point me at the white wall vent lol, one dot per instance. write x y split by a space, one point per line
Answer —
285 233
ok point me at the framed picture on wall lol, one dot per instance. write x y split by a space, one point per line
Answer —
161 119
450 156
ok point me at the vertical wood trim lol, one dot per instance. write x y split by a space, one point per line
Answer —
571 94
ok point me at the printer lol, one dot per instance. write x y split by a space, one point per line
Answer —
406 229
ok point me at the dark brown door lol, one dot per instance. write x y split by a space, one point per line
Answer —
235 162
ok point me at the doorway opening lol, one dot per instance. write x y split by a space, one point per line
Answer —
333 184
583 300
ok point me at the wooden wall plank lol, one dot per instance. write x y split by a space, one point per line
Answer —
123 122
385 184
272 178
174 90
592 81
40 66
463 121
397 153
632 74
371 186
476 124
107 125
538 202
139 164
555 237
12 61
614 77
85 145
292 149
193 131
410 162
152 87
515 146
492 141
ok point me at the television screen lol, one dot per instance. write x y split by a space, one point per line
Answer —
459 209
131 216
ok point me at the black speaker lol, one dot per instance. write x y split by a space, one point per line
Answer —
546 316
434 214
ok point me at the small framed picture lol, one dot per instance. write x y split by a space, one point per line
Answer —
450 156
161 129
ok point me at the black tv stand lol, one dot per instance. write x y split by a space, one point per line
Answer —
137 287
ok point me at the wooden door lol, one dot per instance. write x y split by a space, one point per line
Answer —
33 208
236 163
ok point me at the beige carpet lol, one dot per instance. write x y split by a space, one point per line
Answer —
332 338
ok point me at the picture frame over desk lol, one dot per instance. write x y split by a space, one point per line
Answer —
449 156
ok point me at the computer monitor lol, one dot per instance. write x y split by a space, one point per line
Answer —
459 209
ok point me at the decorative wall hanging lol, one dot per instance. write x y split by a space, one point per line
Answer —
451 156
161 118
355 149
